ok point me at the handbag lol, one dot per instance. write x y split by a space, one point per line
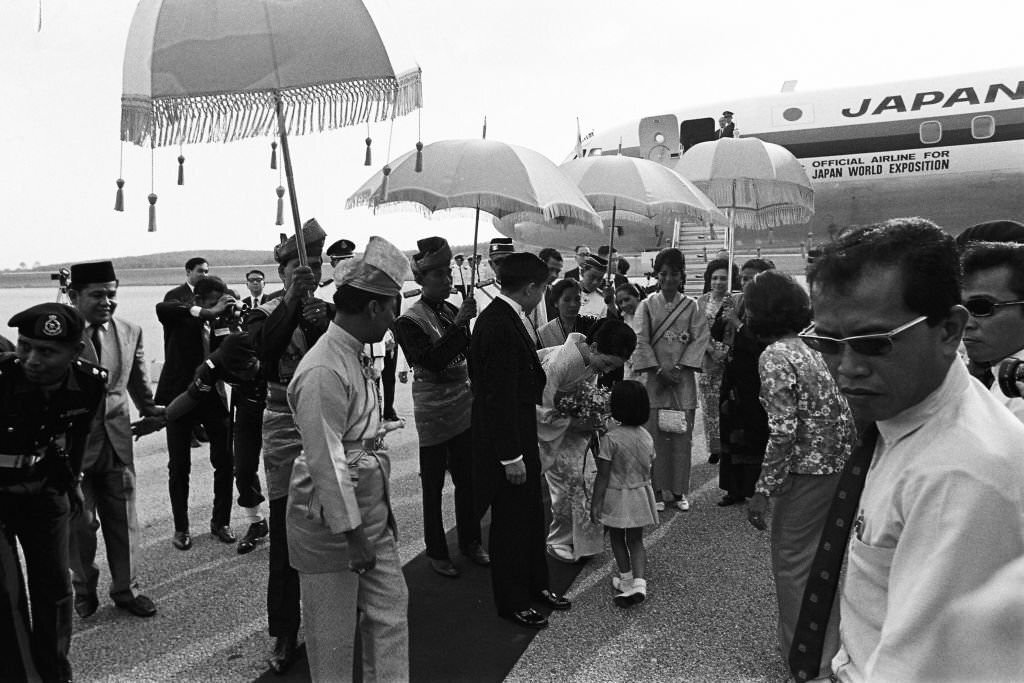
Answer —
672 420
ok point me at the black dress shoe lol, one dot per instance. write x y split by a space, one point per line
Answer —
477 554
182 540
714 458
554 600
86 605
140 606
530 618
284 654
222 533
256 533
444 568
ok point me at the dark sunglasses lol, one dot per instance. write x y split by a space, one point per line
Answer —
983 308
877 344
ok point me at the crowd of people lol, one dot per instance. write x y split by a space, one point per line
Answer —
871 420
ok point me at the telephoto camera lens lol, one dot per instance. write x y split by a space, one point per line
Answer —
1011 374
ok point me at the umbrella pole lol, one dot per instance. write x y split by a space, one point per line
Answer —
611 245
476 233
299 243
731 247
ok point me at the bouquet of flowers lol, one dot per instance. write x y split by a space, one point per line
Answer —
589 402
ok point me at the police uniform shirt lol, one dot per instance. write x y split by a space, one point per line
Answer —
31 423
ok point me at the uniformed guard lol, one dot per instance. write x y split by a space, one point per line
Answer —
341 535
593 298
282 330
48 397
434 335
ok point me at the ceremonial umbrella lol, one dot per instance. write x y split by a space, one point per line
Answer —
486 175
619 183
633 232
203 71
759 185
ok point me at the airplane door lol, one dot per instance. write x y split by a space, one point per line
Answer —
694 131
658 137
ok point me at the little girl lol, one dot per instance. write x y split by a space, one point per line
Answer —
623 496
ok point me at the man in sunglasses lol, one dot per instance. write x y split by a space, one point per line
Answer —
942 507
993 292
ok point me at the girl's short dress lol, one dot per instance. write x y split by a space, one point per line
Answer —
629 501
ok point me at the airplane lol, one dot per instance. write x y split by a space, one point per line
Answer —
950 149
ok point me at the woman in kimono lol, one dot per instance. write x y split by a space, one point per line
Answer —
672 335
564 441
566 295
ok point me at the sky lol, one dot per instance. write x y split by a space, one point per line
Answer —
531 67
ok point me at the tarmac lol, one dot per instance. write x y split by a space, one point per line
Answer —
709 616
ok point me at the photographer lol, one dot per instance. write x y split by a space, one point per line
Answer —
993 293
192 332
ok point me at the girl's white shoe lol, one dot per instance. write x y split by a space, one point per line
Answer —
632 594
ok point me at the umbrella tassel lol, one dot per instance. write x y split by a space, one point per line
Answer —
419 157
369 155
280 205
152 212
119 198
181 169
273 156
384 184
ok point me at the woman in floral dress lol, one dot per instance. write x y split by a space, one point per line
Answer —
811 435
717 306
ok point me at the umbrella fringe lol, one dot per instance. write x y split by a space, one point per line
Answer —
753 194
235 116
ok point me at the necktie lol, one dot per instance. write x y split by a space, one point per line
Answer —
816 606
97 344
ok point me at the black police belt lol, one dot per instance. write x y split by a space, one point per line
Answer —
22 461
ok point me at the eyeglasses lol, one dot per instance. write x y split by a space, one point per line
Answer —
983 308
877 344
255 279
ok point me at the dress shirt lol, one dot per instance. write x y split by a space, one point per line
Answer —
942 510
810 424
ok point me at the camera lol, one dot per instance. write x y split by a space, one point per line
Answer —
1011 376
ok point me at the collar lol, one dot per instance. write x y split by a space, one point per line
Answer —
433 305
104 326
911 419
511 302
341 337
69 383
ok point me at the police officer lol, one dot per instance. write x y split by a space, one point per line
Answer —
48 397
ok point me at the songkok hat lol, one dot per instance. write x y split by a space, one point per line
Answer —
342 249
595 261
434 253
49 322
992 231
83 274
312 235
500 246
603 250
522 266
383 269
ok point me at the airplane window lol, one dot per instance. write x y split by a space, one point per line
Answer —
983 127
931 132
594 152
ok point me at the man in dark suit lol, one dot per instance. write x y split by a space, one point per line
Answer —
507 385
582 254
108 467
196 268
193 331
255 281
726 127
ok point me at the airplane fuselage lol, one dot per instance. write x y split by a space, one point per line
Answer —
949 149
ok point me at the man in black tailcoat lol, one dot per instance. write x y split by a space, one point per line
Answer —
507 385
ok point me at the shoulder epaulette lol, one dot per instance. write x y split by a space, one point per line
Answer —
91 369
